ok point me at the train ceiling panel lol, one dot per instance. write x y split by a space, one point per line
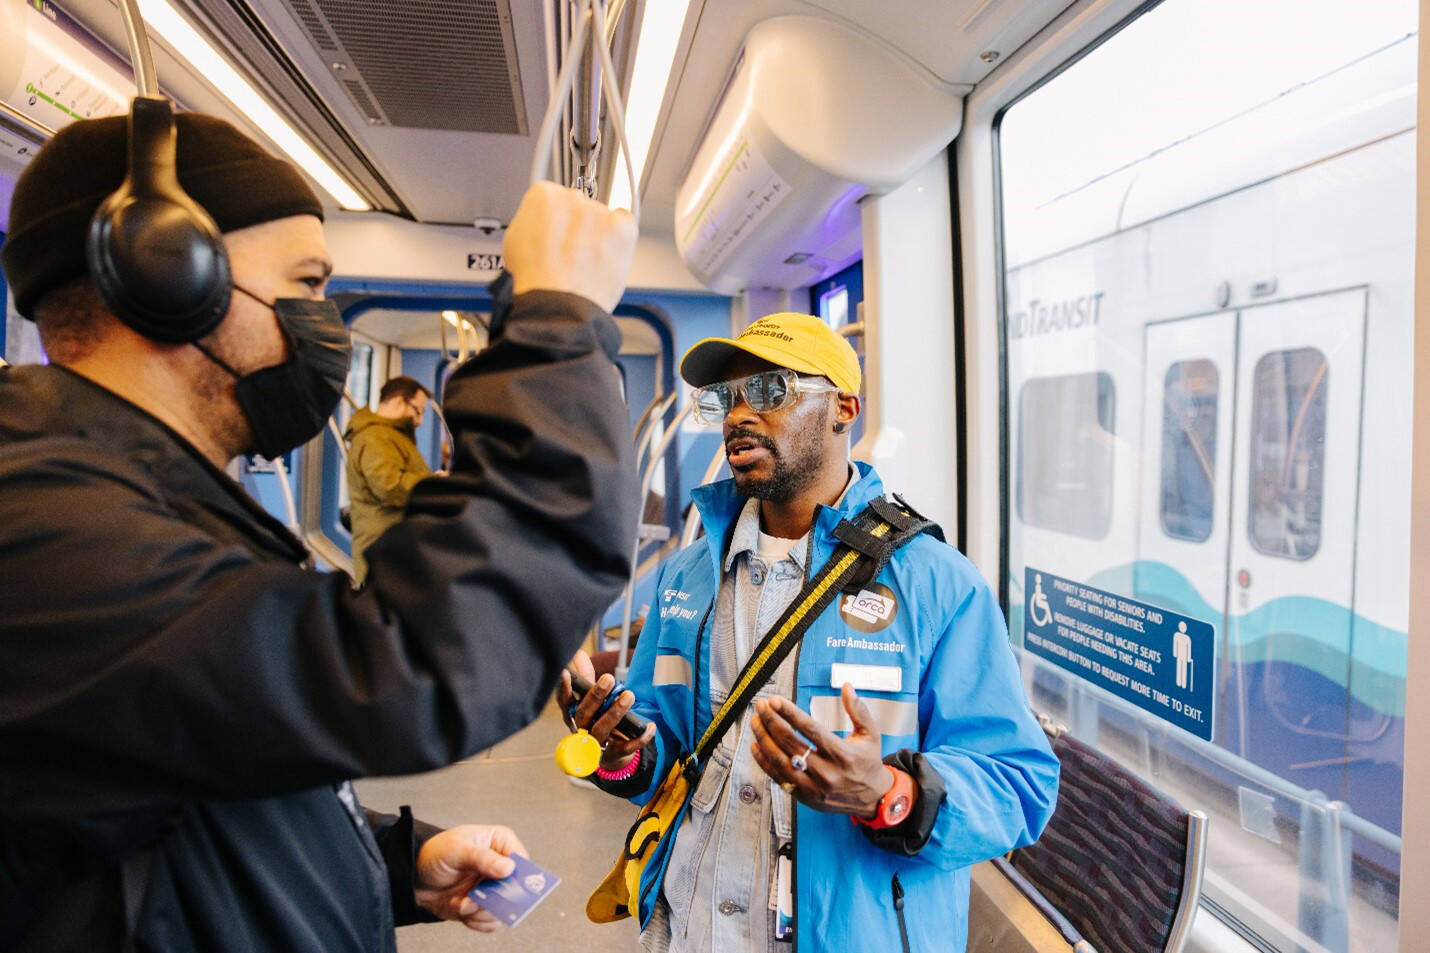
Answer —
444 96
431 72
429 108
435 65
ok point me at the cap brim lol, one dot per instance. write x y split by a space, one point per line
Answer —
705 362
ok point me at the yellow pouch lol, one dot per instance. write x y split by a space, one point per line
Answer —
617 896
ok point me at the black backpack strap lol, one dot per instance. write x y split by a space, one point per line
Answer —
867 544
818 592
932 528
905 523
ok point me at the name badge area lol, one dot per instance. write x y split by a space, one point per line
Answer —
871 678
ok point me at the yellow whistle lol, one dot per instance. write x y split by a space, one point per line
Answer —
579 755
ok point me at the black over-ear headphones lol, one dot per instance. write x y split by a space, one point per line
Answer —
154 253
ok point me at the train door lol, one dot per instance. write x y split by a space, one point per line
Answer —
1295 486
1189 395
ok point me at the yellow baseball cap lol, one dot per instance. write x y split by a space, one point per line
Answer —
800 342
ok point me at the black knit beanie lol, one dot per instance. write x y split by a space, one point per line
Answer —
226 172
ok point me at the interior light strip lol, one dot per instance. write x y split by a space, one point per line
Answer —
661 23
187 42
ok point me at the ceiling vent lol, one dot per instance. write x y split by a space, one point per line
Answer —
422 64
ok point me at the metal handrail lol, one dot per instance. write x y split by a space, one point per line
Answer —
141 57
692 521
591 18
31 129
1193 867
328 551
338 438
645 415
289 505
646 429
1251 771
628 598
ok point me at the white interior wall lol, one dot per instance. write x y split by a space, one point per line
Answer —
909 385
384 246
752 304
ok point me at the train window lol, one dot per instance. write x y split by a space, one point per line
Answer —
834 307
1288 451
1065 445
1210 215
1189 409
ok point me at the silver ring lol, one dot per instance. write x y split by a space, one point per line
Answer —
800 762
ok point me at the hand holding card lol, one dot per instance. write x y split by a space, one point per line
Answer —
450 862
512 898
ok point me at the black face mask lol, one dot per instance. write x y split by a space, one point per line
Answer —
288 404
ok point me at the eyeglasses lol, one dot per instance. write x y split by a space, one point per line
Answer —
764 392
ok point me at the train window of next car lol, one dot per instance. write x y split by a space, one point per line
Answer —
1065 448
1288 449
1189 409
1207 225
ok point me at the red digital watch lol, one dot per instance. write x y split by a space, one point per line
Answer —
896 804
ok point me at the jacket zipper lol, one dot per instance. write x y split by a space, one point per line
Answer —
899 912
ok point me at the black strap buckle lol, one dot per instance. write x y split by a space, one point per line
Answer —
904 524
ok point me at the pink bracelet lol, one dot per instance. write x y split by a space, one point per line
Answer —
621 774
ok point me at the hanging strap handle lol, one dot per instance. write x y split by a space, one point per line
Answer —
590 15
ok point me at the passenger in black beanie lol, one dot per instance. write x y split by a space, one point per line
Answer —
230 175
182 703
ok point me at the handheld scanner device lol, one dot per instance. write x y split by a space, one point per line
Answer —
632 725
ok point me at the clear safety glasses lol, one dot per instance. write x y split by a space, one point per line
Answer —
764 392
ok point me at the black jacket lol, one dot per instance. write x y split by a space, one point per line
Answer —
181 703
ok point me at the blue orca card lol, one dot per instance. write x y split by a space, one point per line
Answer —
512 898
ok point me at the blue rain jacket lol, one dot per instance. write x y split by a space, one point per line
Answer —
962 705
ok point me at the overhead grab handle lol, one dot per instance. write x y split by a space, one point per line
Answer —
590 15
141 56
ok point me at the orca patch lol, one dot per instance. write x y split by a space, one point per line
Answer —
872 609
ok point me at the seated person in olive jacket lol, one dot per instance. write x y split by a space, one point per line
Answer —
384 463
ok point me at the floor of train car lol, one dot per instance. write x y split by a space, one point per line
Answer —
573 831
576 832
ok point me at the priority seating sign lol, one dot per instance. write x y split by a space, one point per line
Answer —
1160 661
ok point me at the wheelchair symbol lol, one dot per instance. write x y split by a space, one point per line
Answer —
1038 609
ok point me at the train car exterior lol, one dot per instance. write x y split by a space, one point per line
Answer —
1208 366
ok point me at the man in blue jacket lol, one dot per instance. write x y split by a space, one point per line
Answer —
901 711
